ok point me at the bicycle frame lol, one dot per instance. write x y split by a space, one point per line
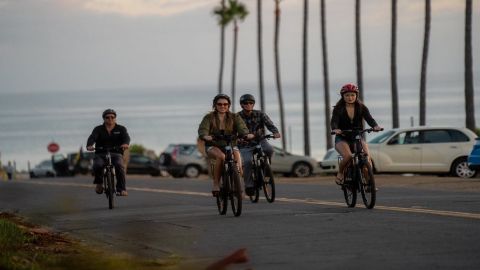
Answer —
109 176
232 188
261 170
358 173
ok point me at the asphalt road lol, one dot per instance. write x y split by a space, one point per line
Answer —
307 227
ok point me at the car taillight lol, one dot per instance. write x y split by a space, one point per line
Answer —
174 153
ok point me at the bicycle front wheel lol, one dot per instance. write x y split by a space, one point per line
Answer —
349 186
110 179
222 198
235 192
268 183
367 185
256 193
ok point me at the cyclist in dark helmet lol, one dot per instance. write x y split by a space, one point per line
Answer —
109 134
256 122
349 113
221 119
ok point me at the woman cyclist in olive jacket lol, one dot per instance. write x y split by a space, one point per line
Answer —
218 121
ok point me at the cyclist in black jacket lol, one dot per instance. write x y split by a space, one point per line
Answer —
349 113
109 135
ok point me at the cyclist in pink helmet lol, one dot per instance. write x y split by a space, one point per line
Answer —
349 113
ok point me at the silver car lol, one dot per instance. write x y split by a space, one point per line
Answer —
439 150
293 165
43 169
183 160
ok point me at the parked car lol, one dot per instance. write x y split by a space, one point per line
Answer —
293 165
181 160
439 150
43 169
329 163
474 157
140 164
80 162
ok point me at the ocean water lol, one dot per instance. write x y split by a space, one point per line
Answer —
157 117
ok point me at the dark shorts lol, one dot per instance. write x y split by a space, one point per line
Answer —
339 138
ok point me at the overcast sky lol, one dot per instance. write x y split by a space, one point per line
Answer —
67 45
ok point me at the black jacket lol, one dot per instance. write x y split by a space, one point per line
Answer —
340 119
101 138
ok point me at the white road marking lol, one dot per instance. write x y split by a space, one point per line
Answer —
413 209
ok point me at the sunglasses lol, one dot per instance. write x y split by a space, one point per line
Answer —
109 117
222 104
248 103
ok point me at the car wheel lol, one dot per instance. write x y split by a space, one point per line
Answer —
191 171
301 169
460 168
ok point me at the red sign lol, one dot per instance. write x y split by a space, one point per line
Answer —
53 147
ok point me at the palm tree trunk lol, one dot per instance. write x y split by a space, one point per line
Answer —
358 42
234 61
222 53
277 74
260 55
326 84
469 93
423 76
306 128
393 67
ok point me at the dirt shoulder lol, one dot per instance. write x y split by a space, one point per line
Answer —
431 182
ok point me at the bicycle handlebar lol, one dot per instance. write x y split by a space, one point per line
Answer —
257 140
114 148
360 131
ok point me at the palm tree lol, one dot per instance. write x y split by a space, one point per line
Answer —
222 50
326 87
306 128
234 12
469 98
277 74
358 42
393 67
260 55
423 76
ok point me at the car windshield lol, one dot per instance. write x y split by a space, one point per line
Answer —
45 163
382 137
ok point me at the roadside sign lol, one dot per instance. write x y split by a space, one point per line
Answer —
53 147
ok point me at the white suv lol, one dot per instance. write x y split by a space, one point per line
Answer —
440 150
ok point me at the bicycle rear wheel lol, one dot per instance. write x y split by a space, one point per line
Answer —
110 191
349 187
268 182
256 193
367 185
235 192
222 198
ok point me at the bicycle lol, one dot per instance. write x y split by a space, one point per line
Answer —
109 176
230 185
358 173
262 175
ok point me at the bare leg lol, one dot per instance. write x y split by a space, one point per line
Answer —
344 150
219 156
238 159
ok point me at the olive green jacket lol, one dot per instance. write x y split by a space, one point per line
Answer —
206 127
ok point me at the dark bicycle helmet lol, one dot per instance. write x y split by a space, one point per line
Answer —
247 97
349 87
219 96
109 111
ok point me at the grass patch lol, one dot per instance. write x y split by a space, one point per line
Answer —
26 246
